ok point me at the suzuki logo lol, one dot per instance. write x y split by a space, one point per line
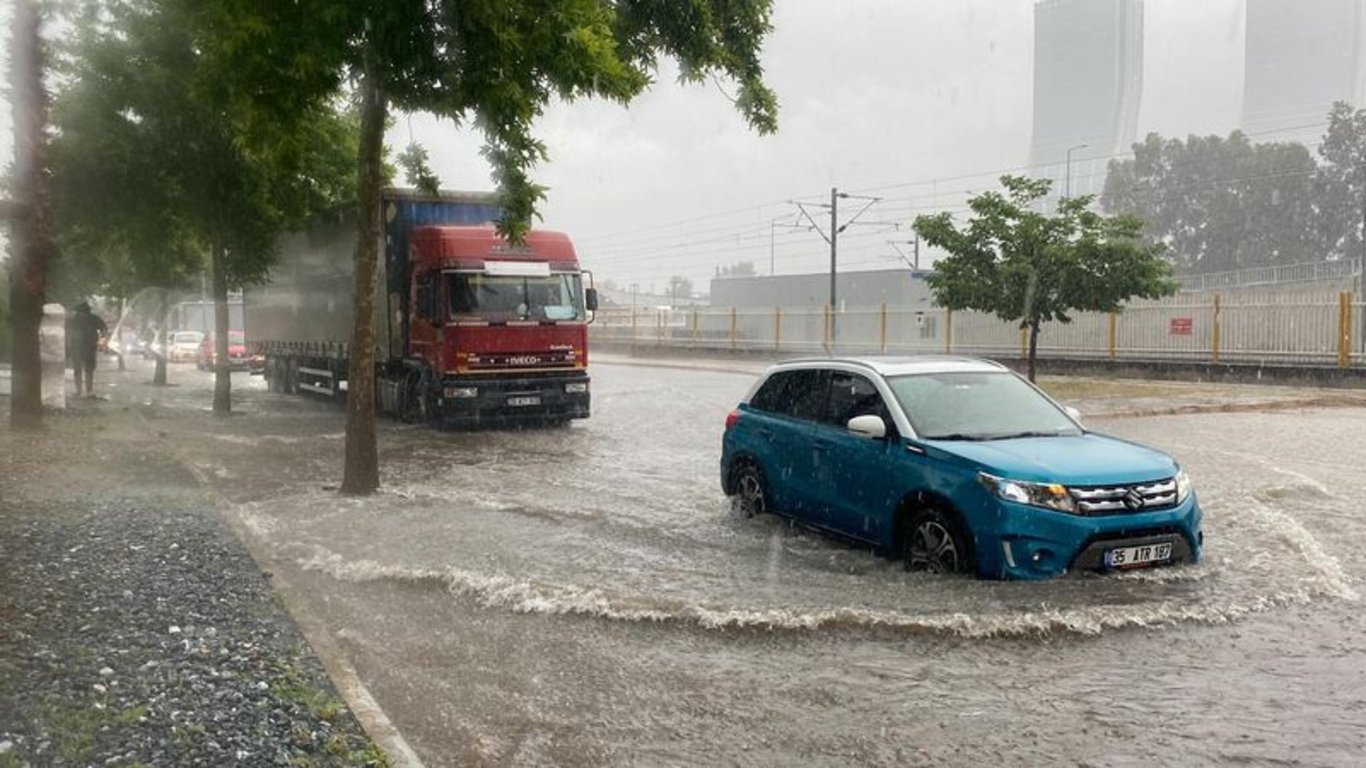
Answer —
1133 500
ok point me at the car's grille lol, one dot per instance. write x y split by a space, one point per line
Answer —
1125 499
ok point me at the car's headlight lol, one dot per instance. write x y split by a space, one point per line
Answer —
1183 486
1047 495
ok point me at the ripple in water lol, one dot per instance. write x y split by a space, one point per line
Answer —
761 574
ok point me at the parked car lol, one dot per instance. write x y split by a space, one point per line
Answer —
953 465
237 351
183 346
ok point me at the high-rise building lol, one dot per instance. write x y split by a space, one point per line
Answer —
1301 56
1088 78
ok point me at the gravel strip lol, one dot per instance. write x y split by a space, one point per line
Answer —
134 628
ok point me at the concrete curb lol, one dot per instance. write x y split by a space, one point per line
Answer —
367 711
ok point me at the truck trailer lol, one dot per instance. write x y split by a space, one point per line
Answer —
470 329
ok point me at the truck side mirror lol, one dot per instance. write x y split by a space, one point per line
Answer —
590 299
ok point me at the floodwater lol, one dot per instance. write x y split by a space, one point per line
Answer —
584 596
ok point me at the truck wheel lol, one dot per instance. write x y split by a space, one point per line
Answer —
415 401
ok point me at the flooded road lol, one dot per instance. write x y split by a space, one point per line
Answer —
584 596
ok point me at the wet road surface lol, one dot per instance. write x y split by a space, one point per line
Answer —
584 596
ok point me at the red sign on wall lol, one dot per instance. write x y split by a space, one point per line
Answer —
1182 326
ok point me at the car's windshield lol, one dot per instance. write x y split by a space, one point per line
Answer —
978 406
506 297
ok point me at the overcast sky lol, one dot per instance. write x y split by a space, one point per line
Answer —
916 101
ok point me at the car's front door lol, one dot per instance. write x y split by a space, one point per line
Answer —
855 477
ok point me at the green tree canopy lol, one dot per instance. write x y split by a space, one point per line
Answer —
1220 203
495 63
151 180
1340 183
1030 267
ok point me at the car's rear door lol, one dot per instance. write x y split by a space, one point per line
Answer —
782 415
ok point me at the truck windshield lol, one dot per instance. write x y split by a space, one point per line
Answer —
503 298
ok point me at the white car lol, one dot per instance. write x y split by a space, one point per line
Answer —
183 346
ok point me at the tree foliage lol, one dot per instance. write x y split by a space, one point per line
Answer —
152 182
1340 183
738 269
496 64
1220 203
1030 267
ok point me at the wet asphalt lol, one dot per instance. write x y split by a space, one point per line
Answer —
584 596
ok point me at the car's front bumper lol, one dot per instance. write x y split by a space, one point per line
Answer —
1032 543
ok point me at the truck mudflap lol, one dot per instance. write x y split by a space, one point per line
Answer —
473 401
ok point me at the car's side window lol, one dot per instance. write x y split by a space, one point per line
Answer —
853 395
803 396
766 399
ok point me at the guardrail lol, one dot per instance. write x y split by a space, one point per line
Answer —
1313 329
1308 272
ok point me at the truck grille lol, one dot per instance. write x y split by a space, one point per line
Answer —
1125 499
522 360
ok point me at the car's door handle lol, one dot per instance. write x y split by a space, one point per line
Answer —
764 432
917 450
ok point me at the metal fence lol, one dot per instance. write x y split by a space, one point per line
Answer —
1315 329
1309 272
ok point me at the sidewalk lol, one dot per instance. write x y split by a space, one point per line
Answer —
1096 398
136 630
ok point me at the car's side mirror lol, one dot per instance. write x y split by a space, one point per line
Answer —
590 299
871 427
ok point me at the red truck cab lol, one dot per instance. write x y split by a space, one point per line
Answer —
496 332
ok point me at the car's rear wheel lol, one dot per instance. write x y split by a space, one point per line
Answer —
751 491
936 543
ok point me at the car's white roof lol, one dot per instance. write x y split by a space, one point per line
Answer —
900 365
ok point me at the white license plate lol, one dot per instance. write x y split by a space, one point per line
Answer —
516 402
1147 554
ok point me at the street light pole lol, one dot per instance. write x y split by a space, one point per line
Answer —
1067 182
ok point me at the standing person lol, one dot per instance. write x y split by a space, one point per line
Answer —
83 332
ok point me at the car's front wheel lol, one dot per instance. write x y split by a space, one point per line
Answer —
751 491
935 542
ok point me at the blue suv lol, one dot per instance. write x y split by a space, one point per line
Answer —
954 465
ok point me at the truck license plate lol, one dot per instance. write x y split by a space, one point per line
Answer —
517 402
1147 554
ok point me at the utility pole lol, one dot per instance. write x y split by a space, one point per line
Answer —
834 243
835 227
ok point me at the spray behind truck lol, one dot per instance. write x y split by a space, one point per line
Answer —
471 330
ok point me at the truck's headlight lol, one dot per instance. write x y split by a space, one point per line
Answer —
576 387
454 392
1047 495
1183 486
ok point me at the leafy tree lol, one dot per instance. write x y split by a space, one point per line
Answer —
1220 204
1032 268
1340 183
418 171
152 182
494 63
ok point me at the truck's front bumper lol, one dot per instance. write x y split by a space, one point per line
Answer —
474 401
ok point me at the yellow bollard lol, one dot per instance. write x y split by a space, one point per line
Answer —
948 330
734 330
1216 327
777 328
883 345
1114 317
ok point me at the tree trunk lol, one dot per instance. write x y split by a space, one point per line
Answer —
222 371
28 276
360 475
1033 346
